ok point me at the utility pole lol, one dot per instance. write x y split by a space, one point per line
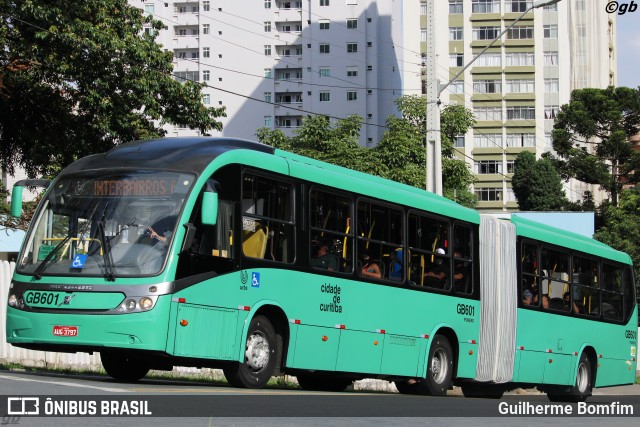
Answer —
433 142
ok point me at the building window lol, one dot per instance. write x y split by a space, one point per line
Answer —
458 141
149 9
267 4
352 95
489 60
324 2
485 6
205 28
195 55
267 26
520 86
324 48
325 96
324 72
352 71
352 23
456 87
205 6
455 7
423 34
519 33
551 111
486 167
487 140
268 121
488 194
553 7
206 52
521 113
550 31
548 141
551 85
456 60
206 99
511 166
324 25
521 140
423 9
488 113
485 33
268 73
551 58
206 75
455 33
520 59
267 50
487 86
518 5
352 47
267 97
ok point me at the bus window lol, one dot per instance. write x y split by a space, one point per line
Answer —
463 259
330 227
379 232
267 221
629 293
555 279
585 292
428 243
611 292
530 272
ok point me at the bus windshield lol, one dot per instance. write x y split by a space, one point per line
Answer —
109 224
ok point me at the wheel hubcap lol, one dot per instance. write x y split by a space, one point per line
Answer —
583 378
439 366
257 353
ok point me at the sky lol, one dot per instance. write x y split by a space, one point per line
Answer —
628 48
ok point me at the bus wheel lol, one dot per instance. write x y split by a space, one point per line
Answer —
406 387
316 382
440 369
123 367
581 390
259 356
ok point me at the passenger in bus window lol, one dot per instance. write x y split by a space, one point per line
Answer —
527 297
566 298
322 258
369 268
460 273
436 275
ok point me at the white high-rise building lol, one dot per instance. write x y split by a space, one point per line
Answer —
516 87
272 62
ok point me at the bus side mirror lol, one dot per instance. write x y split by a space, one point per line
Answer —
16 194
209 209
16 201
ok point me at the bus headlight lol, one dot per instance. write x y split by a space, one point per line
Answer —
146 303
13 300
130 304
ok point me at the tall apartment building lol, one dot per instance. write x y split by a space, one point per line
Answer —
272 62
516 87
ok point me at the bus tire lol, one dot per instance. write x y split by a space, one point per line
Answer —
123 367
582 388
317 382
439 368
259 356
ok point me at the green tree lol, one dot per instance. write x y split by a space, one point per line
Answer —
610 117
536 184
78 77
622 228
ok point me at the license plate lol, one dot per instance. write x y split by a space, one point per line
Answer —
65 331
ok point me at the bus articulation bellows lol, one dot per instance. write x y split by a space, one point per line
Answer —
226 253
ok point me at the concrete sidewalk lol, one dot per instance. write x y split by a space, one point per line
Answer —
624 390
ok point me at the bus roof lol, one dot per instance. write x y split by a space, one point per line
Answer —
568 239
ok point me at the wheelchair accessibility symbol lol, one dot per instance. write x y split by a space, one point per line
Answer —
255 280
78 261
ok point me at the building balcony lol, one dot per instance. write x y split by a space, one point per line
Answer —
186 18
186 42
288 15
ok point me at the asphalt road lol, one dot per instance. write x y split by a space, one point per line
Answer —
170 403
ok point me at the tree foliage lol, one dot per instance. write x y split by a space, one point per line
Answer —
610 117
536 184
400 154
621 228
78 77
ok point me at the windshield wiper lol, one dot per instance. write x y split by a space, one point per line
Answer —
106 256
37 273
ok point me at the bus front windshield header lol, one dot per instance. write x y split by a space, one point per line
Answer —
107 225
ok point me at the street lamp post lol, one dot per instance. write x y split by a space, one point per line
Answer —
434 90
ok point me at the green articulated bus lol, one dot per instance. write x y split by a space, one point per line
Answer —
226 253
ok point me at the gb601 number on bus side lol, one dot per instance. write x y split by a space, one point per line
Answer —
630 334
466 309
